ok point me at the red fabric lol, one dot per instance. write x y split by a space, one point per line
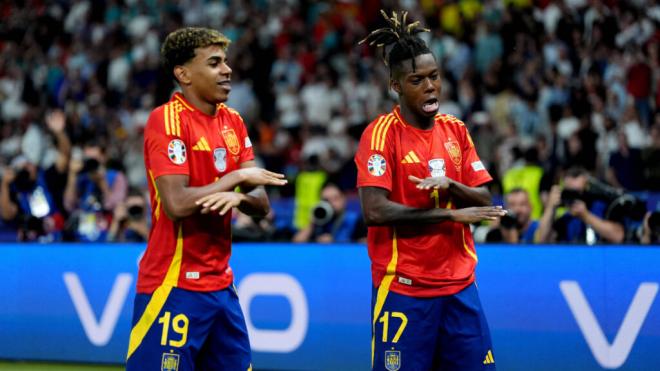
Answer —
206 238
639 80
434 257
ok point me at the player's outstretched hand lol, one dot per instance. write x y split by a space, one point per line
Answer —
223 201
476 214
256 176
440 182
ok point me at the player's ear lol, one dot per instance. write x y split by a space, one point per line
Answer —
395 85
182 75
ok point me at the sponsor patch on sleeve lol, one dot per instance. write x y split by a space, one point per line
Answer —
478 166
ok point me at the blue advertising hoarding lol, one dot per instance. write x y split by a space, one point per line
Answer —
307 306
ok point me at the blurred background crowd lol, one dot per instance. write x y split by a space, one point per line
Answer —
562 99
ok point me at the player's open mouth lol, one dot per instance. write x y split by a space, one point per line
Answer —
431 105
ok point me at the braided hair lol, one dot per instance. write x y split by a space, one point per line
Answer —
400 38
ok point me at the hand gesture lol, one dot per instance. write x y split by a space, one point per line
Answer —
255 176
578 209
470 215
8 175
56 121
121 212
224 201
441 182
554 197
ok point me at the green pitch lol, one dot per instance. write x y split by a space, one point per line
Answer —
25 366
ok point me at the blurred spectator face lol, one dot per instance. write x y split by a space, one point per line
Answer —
578 183
334 197
208 74
518 203
419 90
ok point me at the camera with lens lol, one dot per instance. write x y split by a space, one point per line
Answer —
135 212
323 213
91 165
509 221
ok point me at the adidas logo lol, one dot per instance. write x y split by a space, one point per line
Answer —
489 358
411 158
202 145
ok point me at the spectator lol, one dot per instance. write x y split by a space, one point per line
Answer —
31 198
517 226
129 221
583 220
331 221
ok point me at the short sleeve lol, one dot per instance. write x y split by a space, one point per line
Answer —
247 152
474 172
164 145
373 159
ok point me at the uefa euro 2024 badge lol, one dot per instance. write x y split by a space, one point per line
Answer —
376 165
176 151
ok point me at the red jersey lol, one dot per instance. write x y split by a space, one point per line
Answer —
192 253
421 260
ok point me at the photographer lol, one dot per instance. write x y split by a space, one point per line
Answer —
584 220
517 226
30 197
331 221
92 192
129 222
649 233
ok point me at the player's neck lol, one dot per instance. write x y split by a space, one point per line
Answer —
418 121
200 104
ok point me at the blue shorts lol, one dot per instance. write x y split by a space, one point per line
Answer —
181 330
439 333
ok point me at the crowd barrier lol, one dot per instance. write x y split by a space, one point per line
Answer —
307 306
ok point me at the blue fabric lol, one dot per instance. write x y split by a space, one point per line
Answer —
527 236
23 198
447 333
572 229
216 336
87 188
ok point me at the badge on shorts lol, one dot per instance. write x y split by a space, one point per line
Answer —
376 165
220 159
170 362
392 360
176 151
437 167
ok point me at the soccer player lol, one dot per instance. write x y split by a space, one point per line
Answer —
196 151
419 180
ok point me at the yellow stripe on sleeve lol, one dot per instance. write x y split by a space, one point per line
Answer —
383 290
183 102
387 127
172 115
158 298
373 133
167 119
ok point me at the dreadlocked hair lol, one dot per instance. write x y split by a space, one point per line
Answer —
179 46
401 39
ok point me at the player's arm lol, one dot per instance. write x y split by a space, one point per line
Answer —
255 201
463 195
181 200
378 209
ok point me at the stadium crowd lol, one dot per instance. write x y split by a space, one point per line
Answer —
562 100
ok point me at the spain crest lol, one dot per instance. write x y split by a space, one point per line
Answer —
392 360
231 140
170 362
454 152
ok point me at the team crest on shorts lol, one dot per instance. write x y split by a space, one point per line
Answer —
376 165
220 159
437 167
170 362
176 151
392 360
